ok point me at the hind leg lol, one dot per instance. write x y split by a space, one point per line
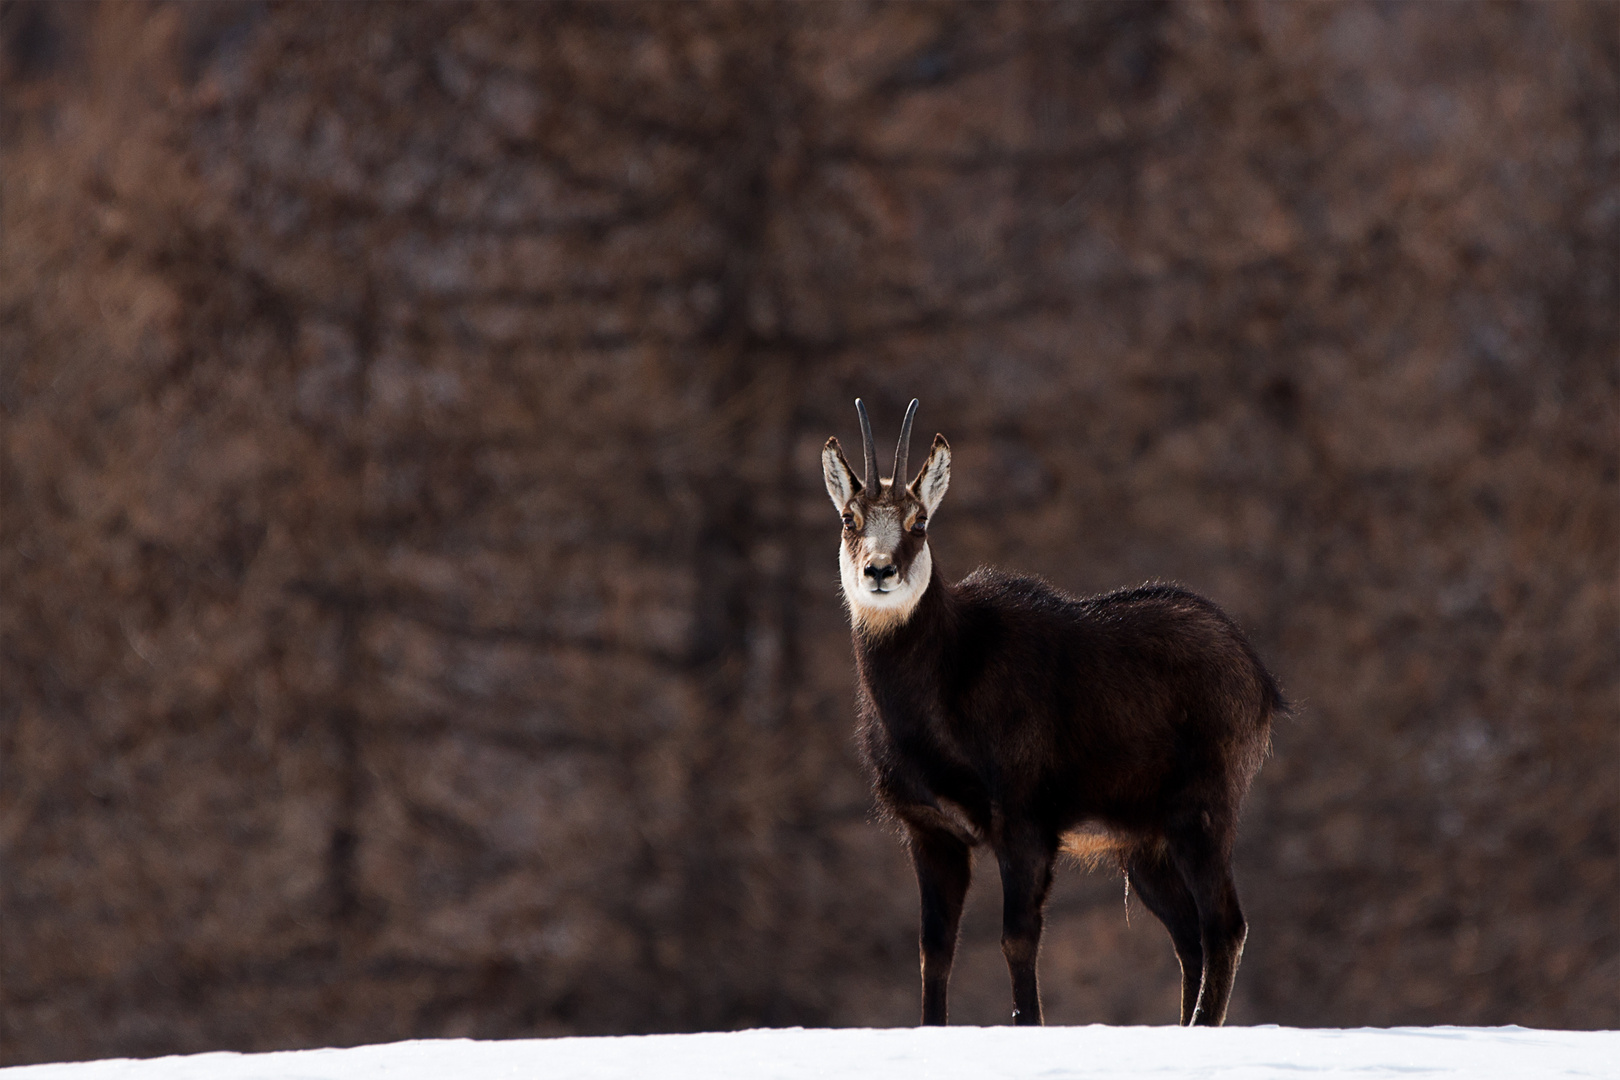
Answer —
1203 858
1159 886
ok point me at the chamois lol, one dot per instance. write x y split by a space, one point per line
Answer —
999 710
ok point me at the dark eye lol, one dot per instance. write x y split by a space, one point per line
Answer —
849 521
920 526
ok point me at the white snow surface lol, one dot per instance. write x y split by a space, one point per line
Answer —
1095 1052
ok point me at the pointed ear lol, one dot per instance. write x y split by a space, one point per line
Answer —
841 483
935 477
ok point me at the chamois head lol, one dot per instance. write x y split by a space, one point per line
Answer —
884 559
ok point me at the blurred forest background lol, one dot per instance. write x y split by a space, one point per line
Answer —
420 609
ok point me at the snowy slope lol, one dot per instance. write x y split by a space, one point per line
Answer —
1096 1053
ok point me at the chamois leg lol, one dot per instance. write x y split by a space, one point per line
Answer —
1159 886
1205 866
1026 875
944 867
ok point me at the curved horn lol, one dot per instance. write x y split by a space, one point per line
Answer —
900 452
871 476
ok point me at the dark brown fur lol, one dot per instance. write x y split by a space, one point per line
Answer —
1000 711
1005 712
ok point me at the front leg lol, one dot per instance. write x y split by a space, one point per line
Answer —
1026 858
944 866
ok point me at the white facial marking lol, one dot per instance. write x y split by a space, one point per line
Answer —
882 532
877 606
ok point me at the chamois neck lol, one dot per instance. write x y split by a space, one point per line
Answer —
930 624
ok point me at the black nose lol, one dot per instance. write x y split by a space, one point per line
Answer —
881 573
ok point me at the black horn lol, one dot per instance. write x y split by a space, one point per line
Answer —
871 476
901 451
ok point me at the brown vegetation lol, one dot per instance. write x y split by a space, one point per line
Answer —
420 608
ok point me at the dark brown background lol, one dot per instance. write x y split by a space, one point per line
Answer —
420 603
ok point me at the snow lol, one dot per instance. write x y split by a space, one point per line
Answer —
1096 1053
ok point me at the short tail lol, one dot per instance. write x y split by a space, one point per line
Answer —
1276 704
